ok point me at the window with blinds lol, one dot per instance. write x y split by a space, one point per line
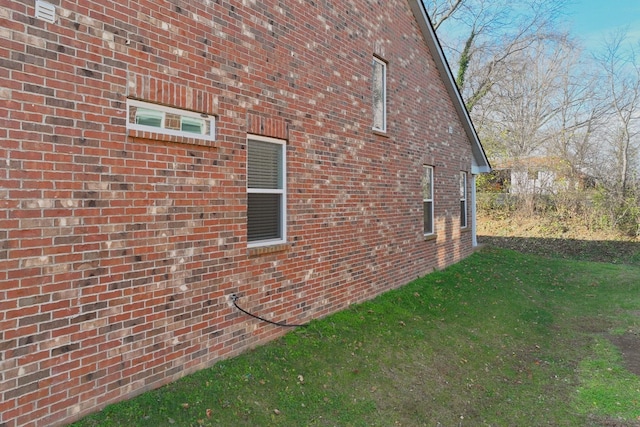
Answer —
266 191
463 199
427 199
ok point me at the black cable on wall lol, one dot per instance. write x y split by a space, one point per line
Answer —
235 299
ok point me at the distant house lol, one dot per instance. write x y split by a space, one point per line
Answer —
540 175
162 156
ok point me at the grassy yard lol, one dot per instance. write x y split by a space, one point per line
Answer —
500 339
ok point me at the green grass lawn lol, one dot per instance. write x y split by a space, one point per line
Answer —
500 339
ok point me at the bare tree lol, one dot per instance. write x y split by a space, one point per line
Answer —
528 98
621 69
441 10
582 111
481 35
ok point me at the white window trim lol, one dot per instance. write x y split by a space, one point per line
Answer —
282 191
464 198
384 96
210 136
432 232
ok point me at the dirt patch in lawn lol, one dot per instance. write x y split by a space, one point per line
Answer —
604 422
593 325
629 346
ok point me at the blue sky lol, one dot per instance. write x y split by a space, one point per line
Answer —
592 20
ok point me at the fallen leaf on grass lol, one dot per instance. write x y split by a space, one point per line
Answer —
209 413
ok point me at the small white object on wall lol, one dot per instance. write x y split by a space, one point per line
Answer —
45 11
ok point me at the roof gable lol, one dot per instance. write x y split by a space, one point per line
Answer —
480 161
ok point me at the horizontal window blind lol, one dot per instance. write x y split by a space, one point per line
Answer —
263 217
265 165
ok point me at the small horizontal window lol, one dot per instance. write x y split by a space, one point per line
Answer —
147 117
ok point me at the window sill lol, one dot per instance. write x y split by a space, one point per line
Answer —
428 237
380 133
264 250
465 229
158 136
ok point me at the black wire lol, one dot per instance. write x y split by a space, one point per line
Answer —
235 299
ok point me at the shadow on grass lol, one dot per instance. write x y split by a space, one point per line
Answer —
612 251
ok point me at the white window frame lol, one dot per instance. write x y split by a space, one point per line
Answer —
382 127
427 169
282 191
464 223
161 111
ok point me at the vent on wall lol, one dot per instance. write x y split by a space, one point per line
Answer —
45 11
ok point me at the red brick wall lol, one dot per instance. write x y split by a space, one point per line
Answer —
119 250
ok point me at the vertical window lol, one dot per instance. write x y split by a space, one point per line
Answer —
427 199
266 191
379 95
463 199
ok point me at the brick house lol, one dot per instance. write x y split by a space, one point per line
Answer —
161 156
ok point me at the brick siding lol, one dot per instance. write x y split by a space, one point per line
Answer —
119 250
